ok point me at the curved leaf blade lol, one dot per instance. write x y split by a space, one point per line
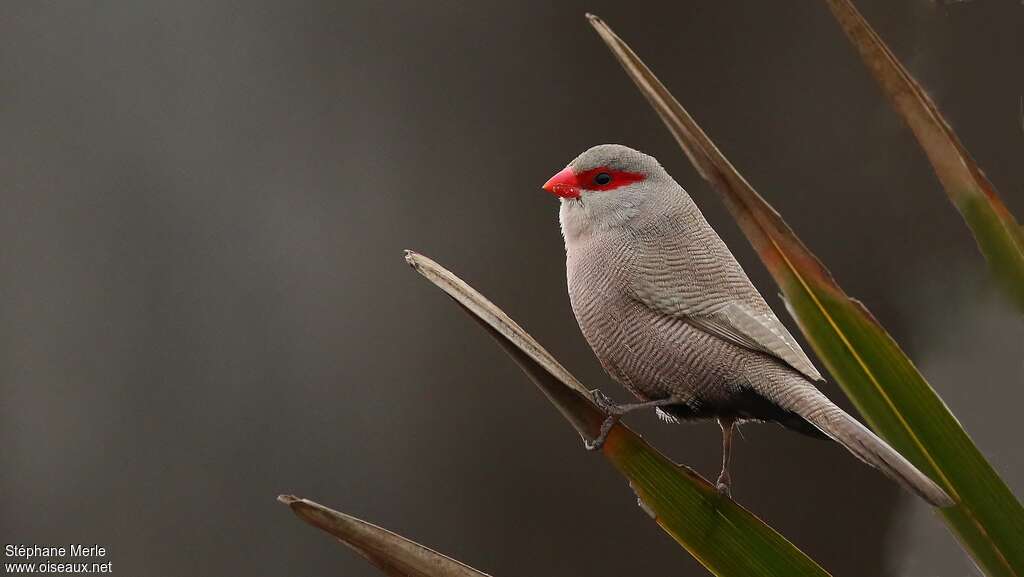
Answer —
881 380
995 229
393 554
723 536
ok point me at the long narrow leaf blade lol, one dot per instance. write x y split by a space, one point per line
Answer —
393 554
995 229
724 537
883 383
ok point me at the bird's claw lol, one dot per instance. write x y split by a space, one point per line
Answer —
723 485
602 435
605 403
612 412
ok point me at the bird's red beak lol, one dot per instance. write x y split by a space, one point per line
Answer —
564 184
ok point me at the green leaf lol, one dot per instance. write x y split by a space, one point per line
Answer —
393 554
995 229
882 382
721 535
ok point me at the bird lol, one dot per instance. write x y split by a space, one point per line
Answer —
672 316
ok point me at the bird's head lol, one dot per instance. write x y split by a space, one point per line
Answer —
605 187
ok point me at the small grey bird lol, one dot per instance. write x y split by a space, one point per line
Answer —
671 315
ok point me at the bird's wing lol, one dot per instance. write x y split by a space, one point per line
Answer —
695 278
756 331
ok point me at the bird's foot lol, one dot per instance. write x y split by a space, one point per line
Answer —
605 403
613 413
723 485
602 435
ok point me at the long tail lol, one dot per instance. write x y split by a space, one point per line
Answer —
812 405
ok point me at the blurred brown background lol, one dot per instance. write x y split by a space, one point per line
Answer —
204 302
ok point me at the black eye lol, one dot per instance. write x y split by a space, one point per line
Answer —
602 179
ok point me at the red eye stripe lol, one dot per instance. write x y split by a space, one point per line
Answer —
619 178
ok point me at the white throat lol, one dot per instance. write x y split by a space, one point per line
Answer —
594 213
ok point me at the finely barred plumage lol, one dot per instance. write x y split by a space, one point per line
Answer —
670 313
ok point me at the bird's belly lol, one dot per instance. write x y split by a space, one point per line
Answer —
655 356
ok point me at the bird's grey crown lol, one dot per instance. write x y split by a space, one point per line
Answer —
616 157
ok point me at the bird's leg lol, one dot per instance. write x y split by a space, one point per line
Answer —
728 426
615 412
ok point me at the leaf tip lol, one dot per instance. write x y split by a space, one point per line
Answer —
413 258
598 25
288 499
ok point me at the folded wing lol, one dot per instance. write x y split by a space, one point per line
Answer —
697 279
